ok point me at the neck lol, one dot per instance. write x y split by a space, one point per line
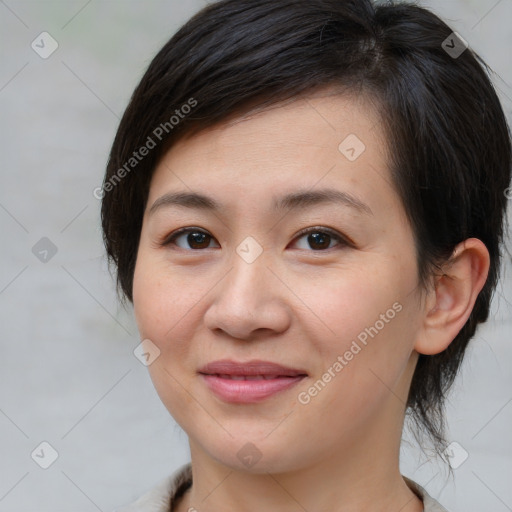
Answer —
361 476
234 491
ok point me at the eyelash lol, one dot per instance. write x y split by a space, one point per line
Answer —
342 241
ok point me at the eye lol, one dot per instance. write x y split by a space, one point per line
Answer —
320 238
196 238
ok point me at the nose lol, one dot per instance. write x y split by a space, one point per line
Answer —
249 302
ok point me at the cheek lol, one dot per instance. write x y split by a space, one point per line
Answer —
368 318
166 306
147 303
158 307
159 300
345 307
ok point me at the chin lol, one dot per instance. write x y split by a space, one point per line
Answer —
260 456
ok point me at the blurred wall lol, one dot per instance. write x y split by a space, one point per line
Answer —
68 374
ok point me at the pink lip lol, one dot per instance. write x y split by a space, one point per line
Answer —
276 378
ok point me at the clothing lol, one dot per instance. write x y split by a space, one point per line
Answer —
162 497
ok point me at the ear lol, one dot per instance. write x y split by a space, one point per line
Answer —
448 307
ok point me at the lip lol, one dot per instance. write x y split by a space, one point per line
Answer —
227 379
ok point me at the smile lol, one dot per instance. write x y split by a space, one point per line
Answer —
249 382
248 389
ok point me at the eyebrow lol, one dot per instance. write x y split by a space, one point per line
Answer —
293 201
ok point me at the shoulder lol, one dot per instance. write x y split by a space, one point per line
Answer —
429 503
160 497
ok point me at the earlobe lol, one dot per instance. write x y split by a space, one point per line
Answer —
456 290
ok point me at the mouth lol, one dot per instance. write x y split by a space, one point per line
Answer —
249 382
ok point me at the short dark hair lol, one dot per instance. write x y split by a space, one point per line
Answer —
449 141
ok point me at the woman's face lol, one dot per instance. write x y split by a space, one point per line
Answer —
338 306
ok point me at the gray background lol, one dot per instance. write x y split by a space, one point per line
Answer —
67 372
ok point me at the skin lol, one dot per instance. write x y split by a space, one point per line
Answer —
293 305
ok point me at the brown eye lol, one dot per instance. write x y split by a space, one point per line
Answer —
320 239
195 238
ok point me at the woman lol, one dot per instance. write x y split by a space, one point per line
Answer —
305 203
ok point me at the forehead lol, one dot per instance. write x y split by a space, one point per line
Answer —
325 139
322 119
